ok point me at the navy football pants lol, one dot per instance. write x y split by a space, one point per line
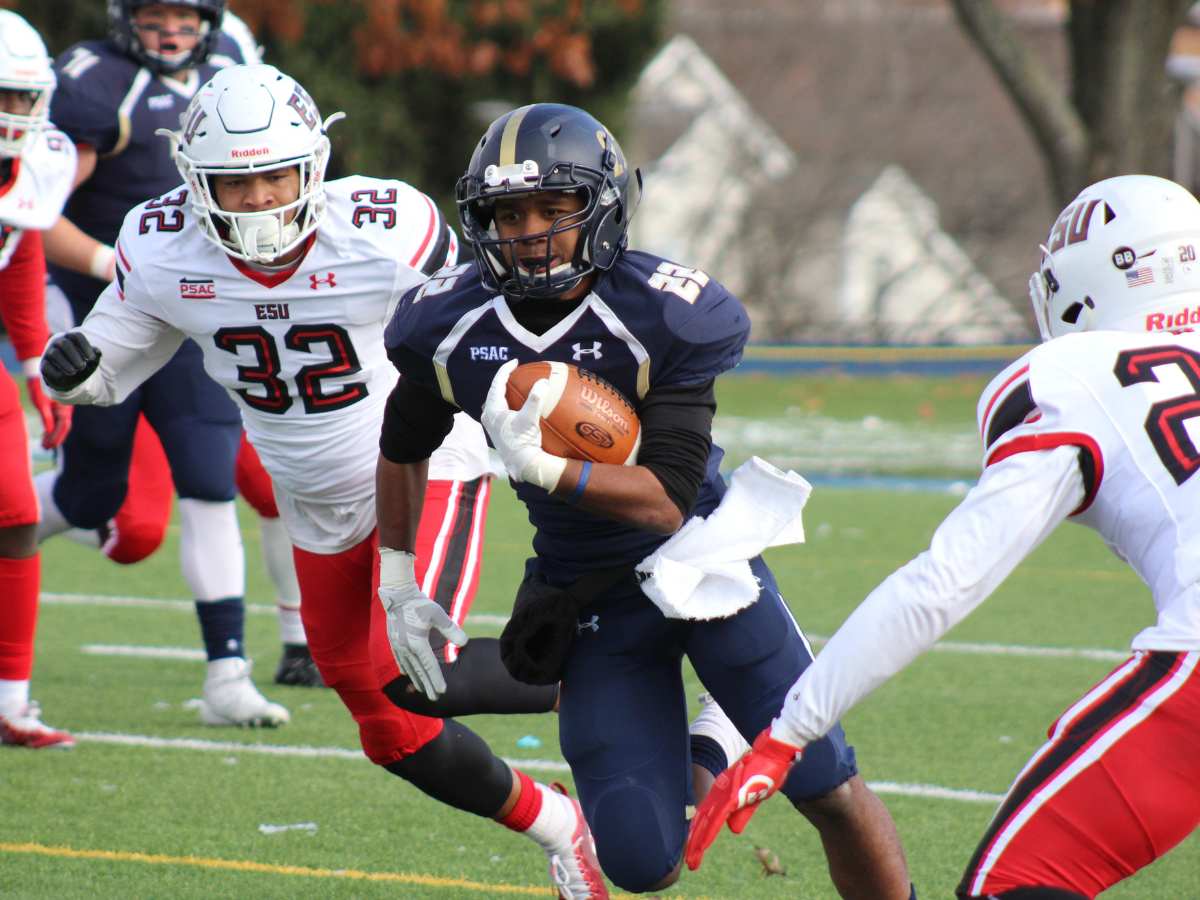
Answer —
623 718
199 427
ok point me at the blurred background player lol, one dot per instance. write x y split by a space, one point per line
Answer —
1091 425
37 164
297 279
113 94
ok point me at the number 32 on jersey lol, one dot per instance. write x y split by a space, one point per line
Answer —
271 393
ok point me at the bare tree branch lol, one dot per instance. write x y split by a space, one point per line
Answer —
1058 129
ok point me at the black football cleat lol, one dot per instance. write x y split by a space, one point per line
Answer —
296 668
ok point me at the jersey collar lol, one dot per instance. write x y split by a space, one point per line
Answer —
273 278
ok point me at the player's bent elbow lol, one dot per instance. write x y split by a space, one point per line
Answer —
664 518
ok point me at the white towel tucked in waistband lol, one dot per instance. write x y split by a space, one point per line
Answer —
703 571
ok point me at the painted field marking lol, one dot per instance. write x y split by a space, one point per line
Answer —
929 791
303 751
242 865
490 619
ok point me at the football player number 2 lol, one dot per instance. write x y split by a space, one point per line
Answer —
270 393
1166 423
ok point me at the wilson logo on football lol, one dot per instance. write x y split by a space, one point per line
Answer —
197 289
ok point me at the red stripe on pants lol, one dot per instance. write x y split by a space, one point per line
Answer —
1126 791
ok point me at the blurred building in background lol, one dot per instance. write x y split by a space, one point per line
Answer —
853 170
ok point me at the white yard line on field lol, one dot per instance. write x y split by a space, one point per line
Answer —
158 743
491 620
932 791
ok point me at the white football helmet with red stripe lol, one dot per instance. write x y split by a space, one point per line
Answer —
25 71
245 120
1122 256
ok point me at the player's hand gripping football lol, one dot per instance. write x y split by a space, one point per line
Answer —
517 434
56 417
410 617
68 361
738 791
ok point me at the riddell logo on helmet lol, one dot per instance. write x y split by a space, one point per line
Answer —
248 152
1166 321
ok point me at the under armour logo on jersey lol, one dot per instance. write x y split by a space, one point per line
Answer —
313 280
593 624
581 351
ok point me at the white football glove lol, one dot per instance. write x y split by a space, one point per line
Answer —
410 617
517 434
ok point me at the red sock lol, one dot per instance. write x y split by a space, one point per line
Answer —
529 804
19 583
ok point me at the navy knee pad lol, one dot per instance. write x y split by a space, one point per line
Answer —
638 840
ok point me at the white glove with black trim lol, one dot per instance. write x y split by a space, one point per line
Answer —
517 434
410 617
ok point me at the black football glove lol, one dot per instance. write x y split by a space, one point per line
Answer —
68 361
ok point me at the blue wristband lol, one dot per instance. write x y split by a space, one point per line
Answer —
576 494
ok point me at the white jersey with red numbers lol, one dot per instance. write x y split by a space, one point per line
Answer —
300 350
1103 427
1131 404
32 199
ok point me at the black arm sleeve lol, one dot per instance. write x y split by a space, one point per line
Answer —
415 422
677 438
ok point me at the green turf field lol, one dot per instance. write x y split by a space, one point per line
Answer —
152 804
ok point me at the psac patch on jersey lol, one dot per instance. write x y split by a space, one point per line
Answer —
197 289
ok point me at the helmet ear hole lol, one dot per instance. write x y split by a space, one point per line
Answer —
1071 313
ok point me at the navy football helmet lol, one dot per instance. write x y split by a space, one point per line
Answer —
548 147
122 33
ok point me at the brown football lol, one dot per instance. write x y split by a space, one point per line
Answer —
587 417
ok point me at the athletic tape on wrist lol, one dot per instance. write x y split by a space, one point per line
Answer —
103 263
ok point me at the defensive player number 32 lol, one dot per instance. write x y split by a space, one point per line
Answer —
270 393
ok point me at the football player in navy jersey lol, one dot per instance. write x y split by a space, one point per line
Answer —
113 94
545 204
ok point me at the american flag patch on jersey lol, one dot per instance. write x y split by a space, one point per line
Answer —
1143 275
197 289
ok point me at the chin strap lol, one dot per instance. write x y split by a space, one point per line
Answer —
261 236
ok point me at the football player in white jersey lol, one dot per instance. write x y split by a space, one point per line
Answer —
286 283
1095 424
37 163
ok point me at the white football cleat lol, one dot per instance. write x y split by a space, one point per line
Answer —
26 729
230 697
574 869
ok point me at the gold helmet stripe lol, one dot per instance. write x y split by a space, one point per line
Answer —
508 140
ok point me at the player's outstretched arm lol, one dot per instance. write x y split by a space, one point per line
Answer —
1015 506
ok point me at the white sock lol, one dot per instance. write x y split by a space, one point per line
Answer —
713 723
555 820
89 537
210 549
51 521
14 697
291 629
277 555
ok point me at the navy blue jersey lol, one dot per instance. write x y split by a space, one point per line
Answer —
106 100
648 323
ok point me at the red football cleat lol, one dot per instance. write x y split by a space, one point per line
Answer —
26 729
